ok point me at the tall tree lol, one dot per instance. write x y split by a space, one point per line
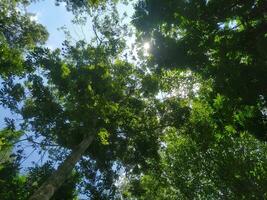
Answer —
91 99
38 175
222 40
203 159
15 185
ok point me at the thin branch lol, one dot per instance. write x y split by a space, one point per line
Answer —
29 139
28 156
97 37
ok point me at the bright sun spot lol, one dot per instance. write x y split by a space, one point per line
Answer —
146 46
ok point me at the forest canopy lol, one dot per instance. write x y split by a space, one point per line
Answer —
166 103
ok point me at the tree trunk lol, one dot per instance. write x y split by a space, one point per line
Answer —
48 188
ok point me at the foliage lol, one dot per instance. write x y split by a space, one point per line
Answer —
188 121
220 40
91 92
37 175
201 161
11 185
16 186
74 5
18 35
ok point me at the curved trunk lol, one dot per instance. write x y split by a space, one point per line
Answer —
48 188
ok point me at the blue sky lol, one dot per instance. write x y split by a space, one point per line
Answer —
54 17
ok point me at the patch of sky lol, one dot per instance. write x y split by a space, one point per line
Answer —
231 24
56 19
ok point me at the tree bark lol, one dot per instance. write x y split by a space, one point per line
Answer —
48 188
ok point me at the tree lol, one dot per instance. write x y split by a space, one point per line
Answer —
199 160
84 5
91 98
221 40
234 169
11 183
206 62
18 36
38 175
15 186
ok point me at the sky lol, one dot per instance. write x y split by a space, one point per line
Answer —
54 17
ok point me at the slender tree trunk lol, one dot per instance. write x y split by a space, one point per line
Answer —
48 188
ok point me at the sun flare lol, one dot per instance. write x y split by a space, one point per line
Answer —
146 46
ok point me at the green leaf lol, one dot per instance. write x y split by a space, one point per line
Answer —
104 135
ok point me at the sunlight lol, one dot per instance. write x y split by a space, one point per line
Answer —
146 46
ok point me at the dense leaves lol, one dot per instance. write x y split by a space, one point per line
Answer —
16 186
212 155
18 34
90 92
201 160
187 121
221 40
